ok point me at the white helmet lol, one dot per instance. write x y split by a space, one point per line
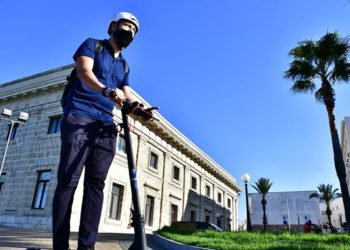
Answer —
124 16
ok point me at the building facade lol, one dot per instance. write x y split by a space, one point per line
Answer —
285 209
177 181
338 213
345 145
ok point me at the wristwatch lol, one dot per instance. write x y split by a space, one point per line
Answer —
108 92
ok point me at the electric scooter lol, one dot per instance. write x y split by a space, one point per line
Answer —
136 109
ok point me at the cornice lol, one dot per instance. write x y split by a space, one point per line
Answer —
32 84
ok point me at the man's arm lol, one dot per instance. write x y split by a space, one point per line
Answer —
128 95
84 65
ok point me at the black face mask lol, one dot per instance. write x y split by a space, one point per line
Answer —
122 37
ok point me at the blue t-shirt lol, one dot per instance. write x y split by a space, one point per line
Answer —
82 100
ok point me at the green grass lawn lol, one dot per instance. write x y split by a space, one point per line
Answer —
256 240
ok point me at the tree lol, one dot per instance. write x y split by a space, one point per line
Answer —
262 186
324 62
326 194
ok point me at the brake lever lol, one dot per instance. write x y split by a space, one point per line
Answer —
145 113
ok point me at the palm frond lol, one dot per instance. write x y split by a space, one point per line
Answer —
314 195
341 70
332 46
338 195
304 51
325 47
303 86
326 193
256 188
325 59
262 186
323 95
300 70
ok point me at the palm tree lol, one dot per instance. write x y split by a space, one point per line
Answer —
326 194
324 62
262 186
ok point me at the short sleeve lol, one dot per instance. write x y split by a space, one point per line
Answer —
126 79
87 48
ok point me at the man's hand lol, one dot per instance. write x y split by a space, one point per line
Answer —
116 95
138 109
119 97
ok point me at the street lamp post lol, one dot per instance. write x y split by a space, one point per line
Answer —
245 178
6 115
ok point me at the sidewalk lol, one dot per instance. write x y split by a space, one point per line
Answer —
19 238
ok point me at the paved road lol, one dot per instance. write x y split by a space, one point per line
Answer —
18 238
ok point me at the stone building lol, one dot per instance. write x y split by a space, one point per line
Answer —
345 145
285 208
177 181
338 213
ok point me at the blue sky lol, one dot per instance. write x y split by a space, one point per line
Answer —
214 67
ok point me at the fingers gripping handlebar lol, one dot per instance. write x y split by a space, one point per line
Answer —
134 108
138 109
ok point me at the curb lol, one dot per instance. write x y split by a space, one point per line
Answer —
173 245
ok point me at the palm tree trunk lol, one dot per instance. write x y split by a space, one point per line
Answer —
329 221
339 164
263 202
329 213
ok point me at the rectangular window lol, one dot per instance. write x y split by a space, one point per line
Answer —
55 124
207 191
228 224
306 218
1 184
174 209
193 215
121 144
285 219
41 189
116 201
153 163
229 203
207 219
176 173
219 222
13 133
194 183
149 210
219 197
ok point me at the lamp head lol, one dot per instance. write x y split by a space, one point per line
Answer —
245 178
6 112
23 116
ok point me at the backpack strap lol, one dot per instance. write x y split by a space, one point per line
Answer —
126 67
98 47
73 75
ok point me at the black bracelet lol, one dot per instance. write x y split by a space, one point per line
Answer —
112 93
104 90
108 92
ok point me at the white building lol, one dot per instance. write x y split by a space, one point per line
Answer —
177 181
338 213
285 208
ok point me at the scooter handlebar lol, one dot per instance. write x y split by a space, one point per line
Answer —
138 109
